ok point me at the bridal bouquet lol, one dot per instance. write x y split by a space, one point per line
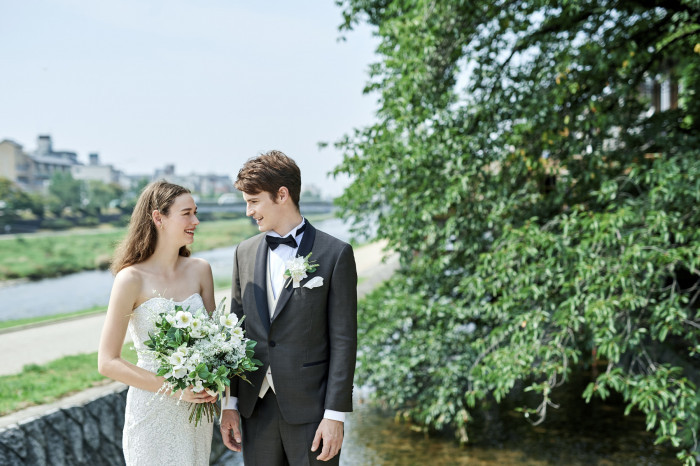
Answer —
202 351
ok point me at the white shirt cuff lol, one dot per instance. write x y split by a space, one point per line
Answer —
334 415
231 404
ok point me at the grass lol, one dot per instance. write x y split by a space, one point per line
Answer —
41 384
45 319
36 257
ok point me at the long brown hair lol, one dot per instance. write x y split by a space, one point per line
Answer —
269 172
140 241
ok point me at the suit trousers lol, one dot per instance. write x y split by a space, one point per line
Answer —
270 441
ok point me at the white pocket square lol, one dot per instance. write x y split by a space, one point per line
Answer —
314 282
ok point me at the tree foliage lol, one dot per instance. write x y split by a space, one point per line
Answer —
546 212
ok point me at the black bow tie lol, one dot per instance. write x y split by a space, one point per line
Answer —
274 241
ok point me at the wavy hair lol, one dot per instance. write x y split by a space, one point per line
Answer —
141 237
268 173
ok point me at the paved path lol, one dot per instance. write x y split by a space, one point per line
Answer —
44 343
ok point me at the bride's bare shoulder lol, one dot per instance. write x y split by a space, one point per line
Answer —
197 263
129 278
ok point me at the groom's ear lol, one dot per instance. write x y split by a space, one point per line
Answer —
282 194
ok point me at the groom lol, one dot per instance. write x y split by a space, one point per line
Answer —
294 408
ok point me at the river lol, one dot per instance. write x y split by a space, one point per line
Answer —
576 434
84 290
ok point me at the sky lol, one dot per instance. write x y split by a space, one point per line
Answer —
202 85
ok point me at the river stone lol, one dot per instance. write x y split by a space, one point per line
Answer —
36 443
9 458
56 444
76 413
91 431
14 440
73 441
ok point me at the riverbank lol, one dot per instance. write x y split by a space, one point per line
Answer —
37 256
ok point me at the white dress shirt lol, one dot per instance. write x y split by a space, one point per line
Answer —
276 260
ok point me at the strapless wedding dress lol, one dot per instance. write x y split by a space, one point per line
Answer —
158 432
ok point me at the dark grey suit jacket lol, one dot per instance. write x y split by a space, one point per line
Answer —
311 343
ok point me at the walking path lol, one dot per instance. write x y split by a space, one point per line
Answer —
44 343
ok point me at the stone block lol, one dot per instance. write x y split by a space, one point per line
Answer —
73 442
9 458
13 439
36 443
91 431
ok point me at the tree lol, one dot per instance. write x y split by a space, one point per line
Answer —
66 189
12 199
546 214
99 195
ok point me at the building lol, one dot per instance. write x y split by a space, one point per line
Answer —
32 172
209 185
96 171
15 164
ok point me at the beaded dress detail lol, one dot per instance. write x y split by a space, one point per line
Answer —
158 431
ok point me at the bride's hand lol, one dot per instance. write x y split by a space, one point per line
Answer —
188 395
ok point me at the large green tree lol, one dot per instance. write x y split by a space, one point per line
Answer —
545 206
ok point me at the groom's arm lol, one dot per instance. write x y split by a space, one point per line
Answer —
237 309
342 333
230 419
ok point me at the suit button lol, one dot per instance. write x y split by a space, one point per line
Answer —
272 343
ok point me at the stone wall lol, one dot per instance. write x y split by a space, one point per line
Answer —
82 430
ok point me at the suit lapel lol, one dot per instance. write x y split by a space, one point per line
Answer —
307 243
260 285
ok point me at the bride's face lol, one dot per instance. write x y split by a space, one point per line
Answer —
180 223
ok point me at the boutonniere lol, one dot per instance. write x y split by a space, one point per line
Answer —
296 271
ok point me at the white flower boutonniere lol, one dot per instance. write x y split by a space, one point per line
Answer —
297 268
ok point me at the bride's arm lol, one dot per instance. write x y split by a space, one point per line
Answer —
110 363
109 357
207 286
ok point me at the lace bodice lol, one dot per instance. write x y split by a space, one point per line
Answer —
143 321
157 429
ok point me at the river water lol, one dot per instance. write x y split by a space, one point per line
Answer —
577 434
85 290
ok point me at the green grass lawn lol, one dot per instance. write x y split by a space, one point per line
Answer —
41 384
45 319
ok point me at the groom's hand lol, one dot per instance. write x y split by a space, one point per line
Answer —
231 429
331 433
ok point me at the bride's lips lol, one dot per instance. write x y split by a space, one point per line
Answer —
190 231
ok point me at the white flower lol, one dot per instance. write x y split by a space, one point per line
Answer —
198 387
183 319
314 283
170 319
228 320
179 372
297 268
177 358
236 335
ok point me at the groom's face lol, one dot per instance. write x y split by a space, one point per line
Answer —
263 209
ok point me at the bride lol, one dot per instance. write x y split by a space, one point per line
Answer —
153 272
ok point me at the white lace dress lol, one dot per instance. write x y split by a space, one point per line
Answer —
158 431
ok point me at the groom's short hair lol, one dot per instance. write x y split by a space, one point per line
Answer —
269 172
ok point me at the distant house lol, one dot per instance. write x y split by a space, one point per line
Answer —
33 171
96 171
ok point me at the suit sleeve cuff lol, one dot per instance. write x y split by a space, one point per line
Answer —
231 404
334 415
